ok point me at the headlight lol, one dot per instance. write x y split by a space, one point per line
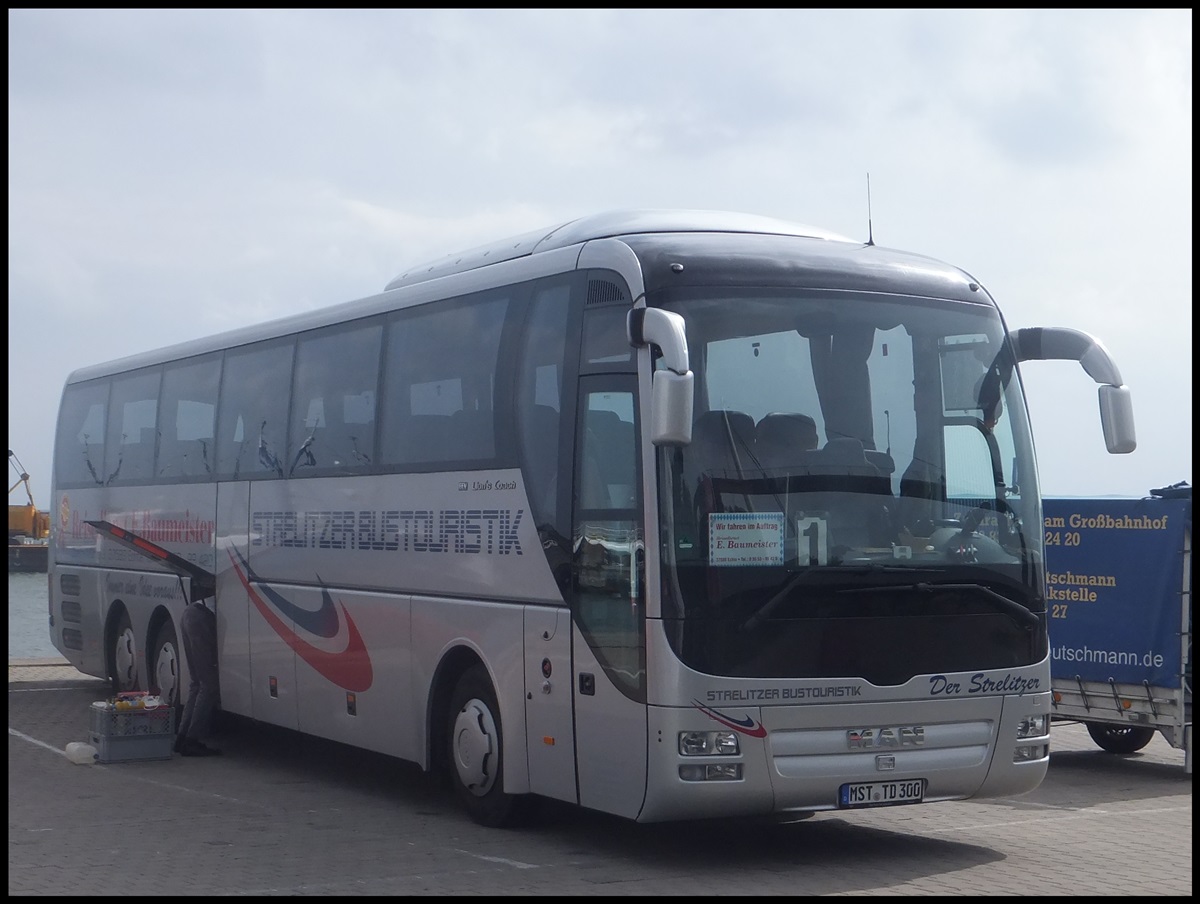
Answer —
1033 726
708 743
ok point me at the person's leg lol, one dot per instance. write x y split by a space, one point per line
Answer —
189 710
200 649
200 716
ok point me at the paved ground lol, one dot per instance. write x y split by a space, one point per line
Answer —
34 670
281 814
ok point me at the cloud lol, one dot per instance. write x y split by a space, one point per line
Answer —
175 173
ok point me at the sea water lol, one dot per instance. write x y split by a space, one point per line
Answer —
29 617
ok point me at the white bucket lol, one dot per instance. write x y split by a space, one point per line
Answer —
81 754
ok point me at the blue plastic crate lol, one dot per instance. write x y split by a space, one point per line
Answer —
121 736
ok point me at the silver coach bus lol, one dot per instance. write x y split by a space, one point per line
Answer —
668 514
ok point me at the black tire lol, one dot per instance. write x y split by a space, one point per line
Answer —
164 663
474 744
122 665
1120 738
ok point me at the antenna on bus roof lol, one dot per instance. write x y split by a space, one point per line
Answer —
870 231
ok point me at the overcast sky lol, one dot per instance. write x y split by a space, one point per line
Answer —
176 173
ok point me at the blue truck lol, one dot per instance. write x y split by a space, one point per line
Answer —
1118 593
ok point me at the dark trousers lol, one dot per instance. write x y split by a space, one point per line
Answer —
199 629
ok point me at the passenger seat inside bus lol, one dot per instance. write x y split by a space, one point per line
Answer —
420 438
723 443
471 434
722 446
857 495
783 439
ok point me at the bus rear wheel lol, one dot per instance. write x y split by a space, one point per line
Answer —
164 665
123 670
1120 738
475 744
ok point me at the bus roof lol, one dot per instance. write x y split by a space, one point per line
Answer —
651 232
604 226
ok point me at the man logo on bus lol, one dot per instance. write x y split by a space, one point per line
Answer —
350 669
902 736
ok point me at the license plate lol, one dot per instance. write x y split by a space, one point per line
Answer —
881 794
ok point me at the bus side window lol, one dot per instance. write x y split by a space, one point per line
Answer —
539 405
333 400
132 420
439 363
188 420
539 444
79 451
251 432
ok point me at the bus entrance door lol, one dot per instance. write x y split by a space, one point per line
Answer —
608 593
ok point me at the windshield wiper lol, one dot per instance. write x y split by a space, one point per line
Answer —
764 611
1010 607
780 595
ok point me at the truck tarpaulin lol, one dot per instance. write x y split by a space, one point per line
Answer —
1114 580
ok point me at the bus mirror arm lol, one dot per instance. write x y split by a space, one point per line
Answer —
1063 344
654 326
672 392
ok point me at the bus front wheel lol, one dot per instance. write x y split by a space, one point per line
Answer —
475 745
1120 738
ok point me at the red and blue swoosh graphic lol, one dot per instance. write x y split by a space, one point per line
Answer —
745 725
349 669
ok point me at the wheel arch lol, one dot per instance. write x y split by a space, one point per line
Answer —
157 617
453 664
116 610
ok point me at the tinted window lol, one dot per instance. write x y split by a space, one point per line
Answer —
132 435
605 339
252 433
79 446
187 417
539 399
440 382
333 400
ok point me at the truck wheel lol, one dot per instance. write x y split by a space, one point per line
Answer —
123 667
475 744
1120 738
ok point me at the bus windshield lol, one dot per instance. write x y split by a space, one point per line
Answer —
859 480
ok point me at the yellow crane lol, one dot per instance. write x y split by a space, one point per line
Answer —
25 520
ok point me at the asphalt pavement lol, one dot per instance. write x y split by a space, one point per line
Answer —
283 814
